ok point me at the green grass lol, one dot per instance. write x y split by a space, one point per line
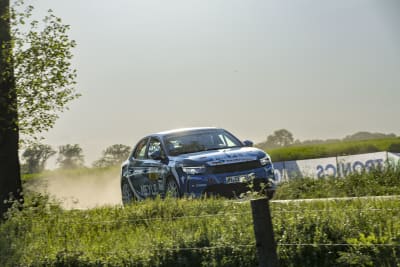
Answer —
211 232
376 182
334 149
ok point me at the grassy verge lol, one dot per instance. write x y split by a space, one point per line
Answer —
209 232
212 232
334 149
377 182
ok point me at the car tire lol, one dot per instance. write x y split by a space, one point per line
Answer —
127 194
172 188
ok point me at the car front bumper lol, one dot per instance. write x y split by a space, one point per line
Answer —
262 179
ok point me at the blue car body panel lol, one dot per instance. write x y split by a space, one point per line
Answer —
224 171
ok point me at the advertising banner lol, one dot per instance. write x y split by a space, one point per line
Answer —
279 171
358 163
394 158
333 166
314 168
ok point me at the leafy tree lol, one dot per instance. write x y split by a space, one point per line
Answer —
70 156
280 138
10 179
36 81
35 157
42 60
113 155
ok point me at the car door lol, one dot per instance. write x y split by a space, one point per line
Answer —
146 172
156 167
138 169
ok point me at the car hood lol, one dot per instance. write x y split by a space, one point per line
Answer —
221 156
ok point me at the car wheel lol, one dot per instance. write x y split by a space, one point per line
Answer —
172 188
126 191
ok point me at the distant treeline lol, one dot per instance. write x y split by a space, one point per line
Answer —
340 148
284 138
35 156
281 145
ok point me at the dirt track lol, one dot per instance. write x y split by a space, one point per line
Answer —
81 192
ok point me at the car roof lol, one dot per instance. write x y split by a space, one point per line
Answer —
181 130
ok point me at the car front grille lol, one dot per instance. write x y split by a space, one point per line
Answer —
234 167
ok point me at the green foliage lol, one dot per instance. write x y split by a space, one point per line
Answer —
70 156
113 155
337 227
367 136
200 232
44 76
35 157
376 182
284 138
280 138
334 149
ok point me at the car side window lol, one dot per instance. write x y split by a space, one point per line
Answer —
225 139
154 146
140 149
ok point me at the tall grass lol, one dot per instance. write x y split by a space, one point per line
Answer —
210 232
213 232
376 182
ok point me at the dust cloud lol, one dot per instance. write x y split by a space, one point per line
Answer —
81 191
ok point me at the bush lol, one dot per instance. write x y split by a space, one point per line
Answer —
209 232
376 182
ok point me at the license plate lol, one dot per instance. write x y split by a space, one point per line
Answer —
239 178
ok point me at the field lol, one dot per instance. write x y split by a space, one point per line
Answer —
211 232
334 149
205 232
78 188
378 182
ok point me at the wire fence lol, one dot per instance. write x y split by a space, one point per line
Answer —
242 214
237 247
230 214
241 246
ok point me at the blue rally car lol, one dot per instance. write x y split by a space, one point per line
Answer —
194 162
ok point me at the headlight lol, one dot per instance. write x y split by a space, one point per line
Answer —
266 160
194 170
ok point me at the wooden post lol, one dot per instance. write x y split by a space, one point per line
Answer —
265 242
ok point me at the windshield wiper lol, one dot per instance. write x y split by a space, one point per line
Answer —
218 148
213 148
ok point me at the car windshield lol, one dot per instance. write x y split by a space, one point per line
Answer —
192 142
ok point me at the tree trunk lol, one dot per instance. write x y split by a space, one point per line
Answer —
10 179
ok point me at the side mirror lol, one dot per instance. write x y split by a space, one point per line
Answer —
248 143
156 155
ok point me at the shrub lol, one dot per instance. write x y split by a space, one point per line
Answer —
208 232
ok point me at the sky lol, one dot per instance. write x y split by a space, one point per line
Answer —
321 69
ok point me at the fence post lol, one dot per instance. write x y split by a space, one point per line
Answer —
338 171
284 172
265 242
